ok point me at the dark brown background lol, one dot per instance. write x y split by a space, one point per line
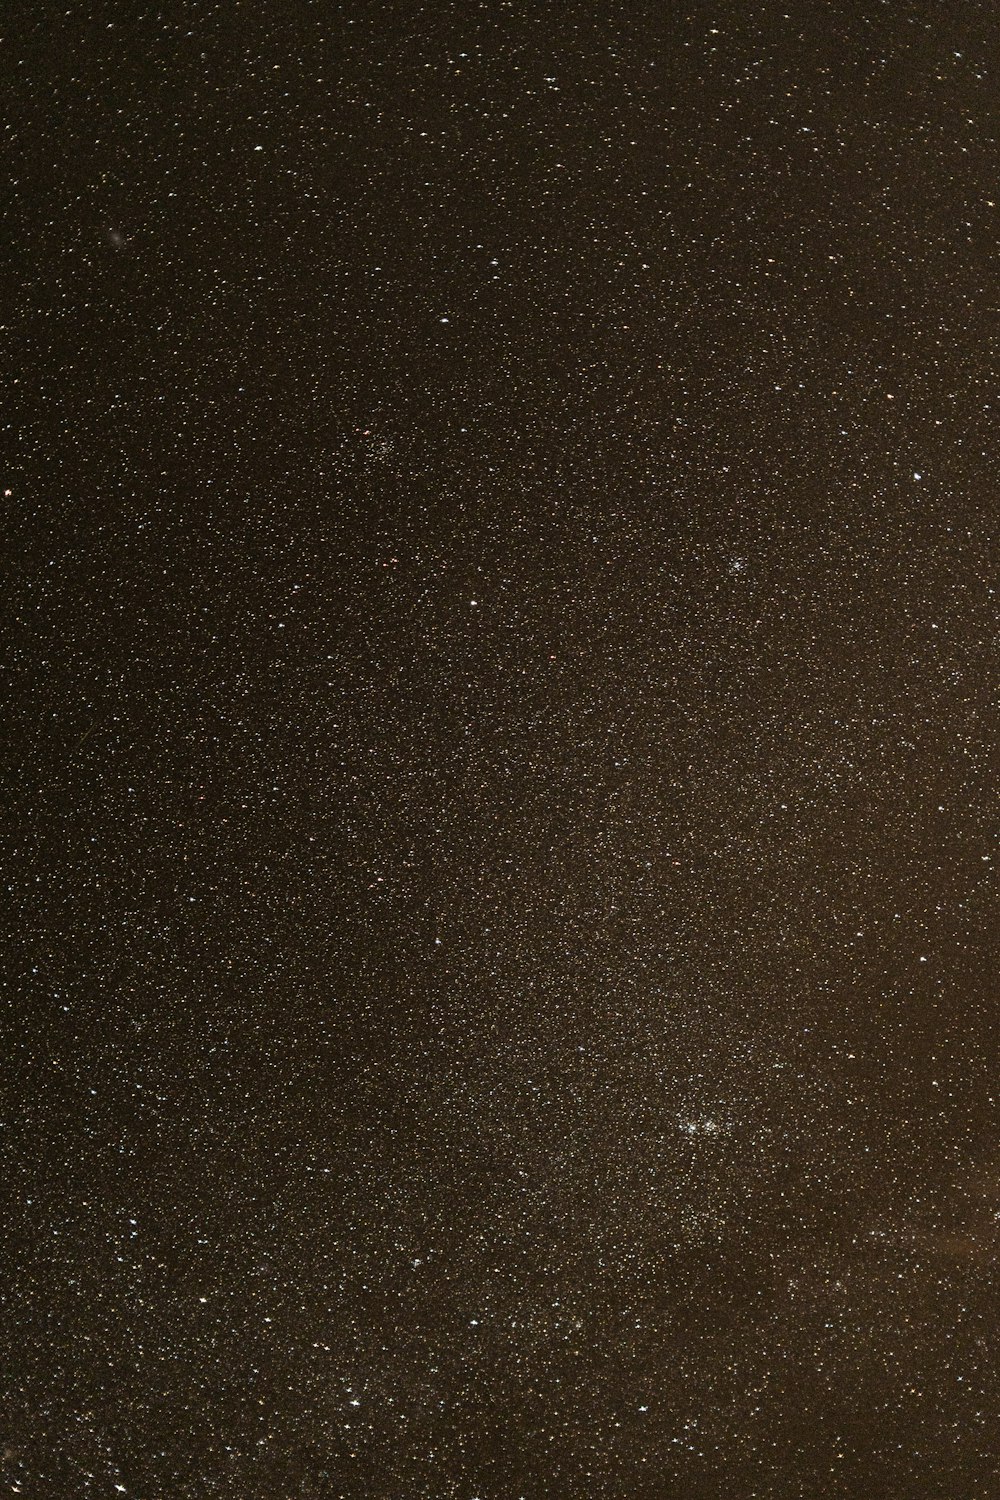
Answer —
501 660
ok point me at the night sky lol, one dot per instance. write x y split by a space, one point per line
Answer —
500 662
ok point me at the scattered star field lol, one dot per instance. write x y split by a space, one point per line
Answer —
500 664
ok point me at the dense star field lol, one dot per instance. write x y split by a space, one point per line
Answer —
500 644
